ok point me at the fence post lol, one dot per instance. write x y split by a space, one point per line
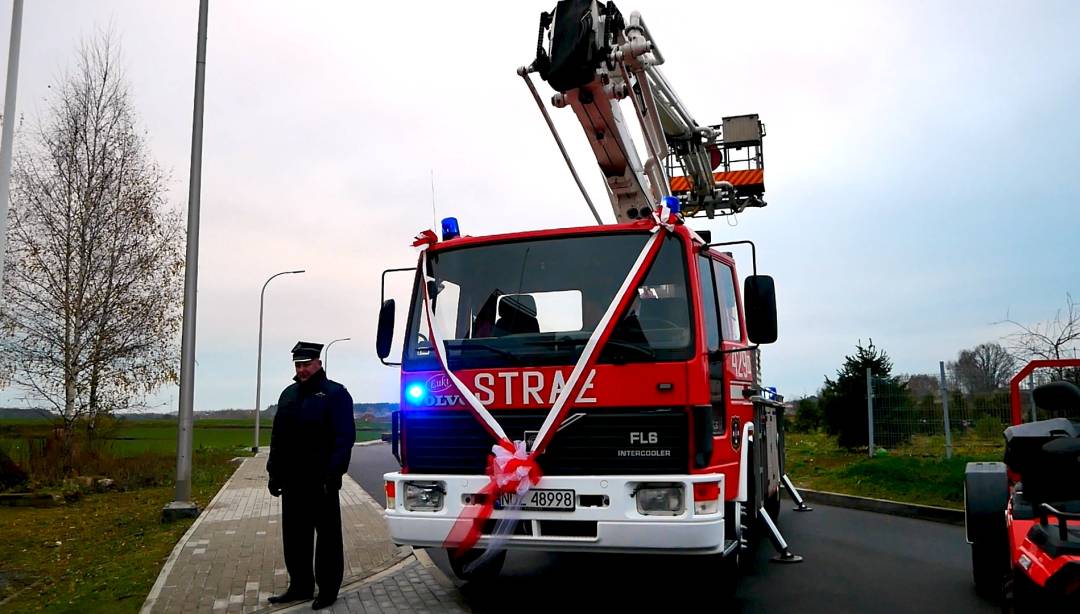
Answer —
1031 393
945 410
870 411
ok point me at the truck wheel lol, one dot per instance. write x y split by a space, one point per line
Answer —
751 519
1022 596
772 506
986 493
463 567
989 564
729 569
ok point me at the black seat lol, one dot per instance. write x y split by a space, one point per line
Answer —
664 310
1053 474
1024 442
517 315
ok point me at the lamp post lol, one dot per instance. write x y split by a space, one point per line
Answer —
326 352
181 506
9 124
258 371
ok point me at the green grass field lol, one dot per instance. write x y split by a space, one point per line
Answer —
102 552
132 437
815 461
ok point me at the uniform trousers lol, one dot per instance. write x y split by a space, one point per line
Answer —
312 520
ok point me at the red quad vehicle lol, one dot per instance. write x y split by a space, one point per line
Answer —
1023 515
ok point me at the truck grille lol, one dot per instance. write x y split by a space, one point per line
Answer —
591 442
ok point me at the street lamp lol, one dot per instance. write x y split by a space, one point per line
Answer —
9 123
258 372
181 506
326 352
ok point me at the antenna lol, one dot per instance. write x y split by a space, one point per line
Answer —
434 216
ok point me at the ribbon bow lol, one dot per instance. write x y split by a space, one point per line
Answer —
512 468
663 217
512 471
425 238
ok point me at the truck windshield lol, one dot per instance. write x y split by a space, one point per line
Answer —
537 302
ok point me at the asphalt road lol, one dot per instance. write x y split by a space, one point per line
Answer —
854 562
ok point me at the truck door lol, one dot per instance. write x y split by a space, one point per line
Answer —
740 377
712 341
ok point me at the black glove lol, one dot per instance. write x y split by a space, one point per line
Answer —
275 490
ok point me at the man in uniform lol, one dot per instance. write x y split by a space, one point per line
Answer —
310 447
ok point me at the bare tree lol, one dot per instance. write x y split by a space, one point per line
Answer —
984 368
1050 340
921 385
92 298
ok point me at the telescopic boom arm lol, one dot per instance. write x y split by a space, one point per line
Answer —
593 59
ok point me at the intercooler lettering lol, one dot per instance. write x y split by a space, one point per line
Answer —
644 452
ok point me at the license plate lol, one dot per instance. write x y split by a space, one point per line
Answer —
540 500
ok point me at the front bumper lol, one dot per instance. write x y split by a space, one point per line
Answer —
608 521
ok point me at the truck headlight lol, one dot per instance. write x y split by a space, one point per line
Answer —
659 499
424 496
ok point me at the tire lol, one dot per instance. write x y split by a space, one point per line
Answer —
986 495
989 565
750 513
772 506
729 570
742 555
488 570
1022 596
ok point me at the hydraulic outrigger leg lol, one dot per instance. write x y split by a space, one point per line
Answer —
800 505
783 553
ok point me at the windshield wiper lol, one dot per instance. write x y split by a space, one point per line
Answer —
648 352
571 341
484 346
557 341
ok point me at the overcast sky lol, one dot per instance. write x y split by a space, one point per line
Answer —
920 160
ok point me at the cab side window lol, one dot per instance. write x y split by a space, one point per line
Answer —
708 293
729 306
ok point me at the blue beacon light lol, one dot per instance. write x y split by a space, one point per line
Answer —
415 392
672 203
450 229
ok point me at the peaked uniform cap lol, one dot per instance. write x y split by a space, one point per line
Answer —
305 351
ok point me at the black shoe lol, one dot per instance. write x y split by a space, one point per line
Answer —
323 601
289 596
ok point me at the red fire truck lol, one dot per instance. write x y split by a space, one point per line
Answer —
666 441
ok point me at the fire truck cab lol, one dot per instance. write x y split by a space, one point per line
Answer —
669 444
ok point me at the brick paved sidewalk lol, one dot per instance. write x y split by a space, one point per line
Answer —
231 559
413 585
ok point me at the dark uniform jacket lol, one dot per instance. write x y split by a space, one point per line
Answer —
313 436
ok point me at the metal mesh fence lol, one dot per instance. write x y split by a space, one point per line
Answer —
909 414
905 423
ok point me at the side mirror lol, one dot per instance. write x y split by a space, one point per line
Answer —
385 334
1057 397
759 297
